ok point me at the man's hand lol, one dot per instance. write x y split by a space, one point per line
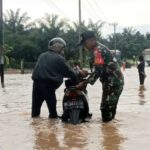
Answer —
81 85
83 73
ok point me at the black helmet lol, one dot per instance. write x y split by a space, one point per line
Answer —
86 35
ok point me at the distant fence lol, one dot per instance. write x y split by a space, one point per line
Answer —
17 64
29 65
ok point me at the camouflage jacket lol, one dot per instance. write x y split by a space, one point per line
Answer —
109 72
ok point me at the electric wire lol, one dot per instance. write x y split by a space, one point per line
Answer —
55 7
88 11
94 10
99 8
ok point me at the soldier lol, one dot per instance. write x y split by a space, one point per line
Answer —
108 70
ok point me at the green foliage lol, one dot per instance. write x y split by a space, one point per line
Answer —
130 42
27 50
26 40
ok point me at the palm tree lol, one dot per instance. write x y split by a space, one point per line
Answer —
51 25
83 26
16 26
16 22
96 27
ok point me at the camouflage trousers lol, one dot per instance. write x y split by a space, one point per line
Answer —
109 101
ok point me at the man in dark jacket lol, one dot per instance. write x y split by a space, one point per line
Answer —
108 70
48 75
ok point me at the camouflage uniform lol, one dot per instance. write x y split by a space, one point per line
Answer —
112 83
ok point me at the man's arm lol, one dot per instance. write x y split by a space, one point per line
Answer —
66 70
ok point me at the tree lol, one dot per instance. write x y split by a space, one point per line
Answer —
130 42
16 30
96 28
147 38
49 27
16 22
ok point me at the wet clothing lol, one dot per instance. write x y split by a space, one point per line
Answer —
51 66
141 78
47 76
109 102
141 70
109 73
44 91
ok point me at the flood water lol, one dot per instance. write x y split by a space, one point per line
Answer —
129 131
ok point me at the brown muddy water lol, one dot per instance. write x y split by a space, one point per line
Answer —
130 130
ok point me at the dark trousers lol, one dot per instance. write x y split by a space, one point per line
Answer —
141 78
109 102
43 90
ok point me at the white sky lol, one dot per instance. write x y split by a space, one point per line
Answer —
124 12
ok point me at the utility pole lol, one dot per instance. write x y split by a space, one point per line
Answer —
114 25
80 49
1 45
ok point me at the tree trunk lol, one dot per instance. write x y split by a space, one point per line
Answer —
22 66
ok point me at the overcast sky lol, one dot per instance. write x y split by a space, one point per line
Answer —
124 12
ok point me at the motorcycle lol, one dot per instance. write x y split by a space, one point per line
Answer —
75 102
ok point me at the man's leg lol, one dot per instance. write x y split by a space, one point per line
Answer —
141 79
105 110
115 98
37 100
109 102
51 102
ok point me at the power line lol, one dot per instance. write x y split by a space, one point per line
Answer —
47 2
57 8
94 10
52 5
97 5
87 10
